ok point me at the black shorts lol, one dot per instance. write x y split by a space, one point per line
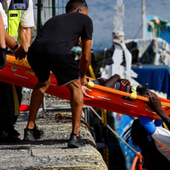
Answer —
64 67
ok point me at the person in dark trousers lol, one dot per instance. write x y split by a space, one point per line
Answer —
51 51
16 28
18 18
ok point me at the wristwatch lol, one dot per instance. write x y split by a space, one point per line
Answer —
14 47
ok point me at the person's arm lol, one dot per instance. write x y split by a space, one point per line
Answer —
155 104
10 42
85 59
25 37
2 33
27 21
112 81
2 43
148 124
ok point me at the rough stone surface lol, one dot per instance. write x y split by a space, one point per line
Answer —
51 151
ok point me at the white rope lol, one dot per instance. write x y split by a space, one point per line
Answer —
115 132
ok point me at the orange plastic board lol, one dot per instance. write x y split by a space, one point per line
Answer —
19 73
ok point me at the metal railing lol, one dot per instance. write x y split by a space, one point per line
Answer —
44 10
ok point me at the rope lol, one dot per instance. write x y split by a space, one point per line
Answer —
124 142
60 117
137 32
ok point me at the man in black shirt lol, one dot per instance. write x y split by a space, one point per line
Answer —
51 51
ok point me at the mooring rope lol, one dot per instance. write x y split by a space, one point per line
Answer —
114 132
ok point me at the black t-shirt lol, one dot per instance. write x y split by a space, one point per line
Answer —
60 33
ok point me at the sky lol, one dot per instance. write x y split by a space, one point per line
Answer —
102 13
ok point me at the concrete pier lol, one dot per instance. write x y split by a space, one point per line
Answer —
51 151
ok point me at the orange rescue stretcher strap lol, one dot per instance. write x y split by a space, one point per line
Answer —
20 73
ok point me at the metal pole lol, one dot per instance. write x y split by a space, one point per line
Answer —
143 19
54 7
39 5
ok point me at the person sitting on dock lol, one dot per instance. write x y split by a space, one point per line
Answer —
51 51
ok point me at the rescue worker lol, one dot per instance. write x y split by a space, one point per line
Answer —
20 18
6 40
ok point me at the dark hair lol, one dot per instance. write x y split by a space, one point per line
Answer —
74 4
137 127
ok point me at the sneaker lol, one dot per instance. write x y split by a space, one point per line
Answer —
32 134
75 141
8 134
81 140
15 140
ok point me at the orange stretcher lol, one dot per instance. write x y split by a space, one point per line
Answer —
20 73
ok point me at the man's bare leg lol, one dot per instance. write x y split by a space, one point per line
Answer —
76 102
36 100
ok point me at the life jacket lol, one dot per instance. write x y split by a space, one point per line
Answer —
16 11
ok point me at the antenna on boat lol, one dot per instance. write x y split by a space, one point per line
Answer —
143 20
118 41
